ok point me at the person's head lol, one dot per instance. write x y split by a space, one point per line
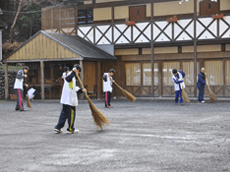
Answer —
111 72
202 70
25 69
66 69
174 71
78 67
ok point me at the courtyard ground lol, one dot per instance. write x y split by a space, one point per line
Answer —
143 136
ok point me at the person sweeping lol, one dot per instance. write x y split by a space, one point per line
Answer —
18 86
107 86
178 84
69 101
201 84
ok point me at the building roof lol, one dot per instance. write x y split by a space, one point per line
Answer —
80 46
57 46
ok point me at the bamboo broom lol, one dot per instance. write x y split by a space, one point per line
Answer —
185 96
128 95
98 117
28 102
212 96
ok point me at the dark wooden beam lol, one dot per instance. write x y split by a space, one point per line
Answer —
6 82
99 80
152 51
42 80
195 47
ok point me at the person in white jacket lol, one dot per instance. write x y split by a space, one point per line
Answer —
18 86
107 86
69 101
178 79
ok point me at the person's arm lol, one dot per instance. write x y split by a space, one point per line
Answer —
201 80
70 77
20 74
178 82
105 78
79 90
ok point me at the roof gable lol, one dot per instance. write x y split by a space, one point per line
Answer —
57 46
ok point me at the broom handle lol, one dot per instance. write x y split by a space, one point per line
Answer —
118 85
81 84
208 84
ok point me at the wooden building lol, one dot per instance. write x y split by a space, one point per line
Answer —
151 37
47 53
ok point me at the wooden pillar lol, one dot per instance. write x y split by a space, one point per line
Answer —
99 80
160 79
152 52
112 23
42 80
82 77
195 47
224 75
6 82
52 72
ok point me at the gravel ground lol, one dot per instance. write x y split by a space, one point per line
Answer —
143 136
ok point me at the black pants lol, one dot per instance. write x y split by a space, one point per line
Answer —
68 112
19 105
107 99
201 93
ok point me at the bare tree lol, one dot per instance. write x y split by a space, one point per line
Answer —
23 4
15 19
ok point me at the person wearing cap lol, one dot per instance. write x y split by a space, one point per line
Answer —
107 86
18 86
178 79
69 101
201 84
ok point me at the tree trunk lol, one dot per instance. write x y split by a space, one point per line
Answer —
15 19
31 29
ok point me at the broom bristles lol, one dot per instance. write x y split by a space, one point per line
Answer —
29 103
99 119
128 95
212 97
185 96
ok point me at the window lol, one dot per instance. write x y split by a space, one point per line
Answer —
133 74
137 13
214 71
227 72
146 73
188 69
167 72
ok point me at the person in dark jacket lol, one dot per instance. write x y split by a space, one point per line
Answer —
201 84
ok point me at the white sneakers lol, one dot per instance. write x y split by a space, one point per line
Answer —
57 130
69 132
72 132
202 101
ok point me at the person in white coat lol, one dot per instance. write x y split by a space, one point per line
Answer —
18 87
178 79
69 101
107 86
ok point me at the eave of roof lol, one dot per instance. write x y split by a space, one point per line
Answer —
76 44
